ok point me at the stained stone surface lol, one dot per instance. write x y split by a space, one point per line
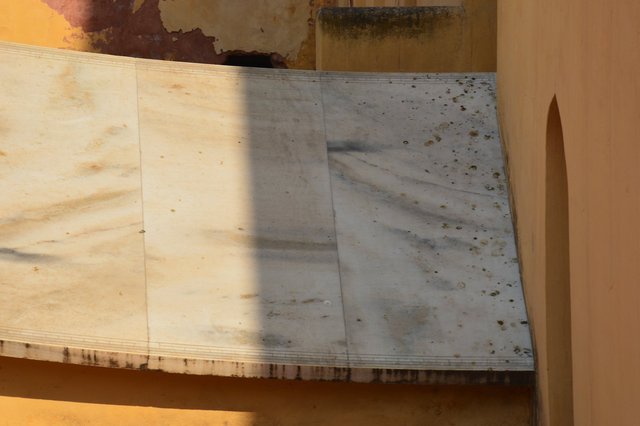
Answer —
71 257
240 239
256 223
427 253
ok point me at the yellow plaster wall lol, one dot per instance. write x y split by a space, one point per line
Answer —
262 26
33 22
285 27
34 392
453 39
465 41
586 53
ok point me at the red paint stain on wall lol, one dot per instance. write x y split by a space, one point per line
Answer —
120 31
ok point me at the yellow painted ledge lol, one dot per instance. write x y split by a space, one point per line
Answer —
35 392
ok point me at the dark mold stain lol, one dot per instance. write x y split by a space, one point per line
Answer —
61 209
440 284
266 243
380 22
275 341
349 146
459 377
19 256
341 374
255 59
416 240
298 373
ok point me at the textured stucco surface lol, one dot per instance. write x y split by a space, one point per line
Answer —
207 31
183 30
586 54
248 26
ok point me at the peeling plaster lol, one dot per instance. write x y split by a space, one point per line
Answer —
194 30
137 4
275 26
119 27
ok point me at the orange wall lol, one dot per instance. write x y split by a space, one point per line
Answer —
207 31
459 38
186 30
34 392
586 53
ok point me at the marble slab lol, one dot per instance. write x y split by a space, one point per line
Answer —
71 251
256 223
427 254
240 241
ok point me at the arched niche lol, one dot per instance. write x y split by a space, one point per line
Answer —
557 274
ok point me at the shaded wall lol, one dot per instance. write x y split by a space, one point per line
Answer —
34 392
586 54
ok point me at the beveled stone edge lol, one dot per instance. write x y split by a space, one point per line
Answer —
265 370
154 360
74 355
259 370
